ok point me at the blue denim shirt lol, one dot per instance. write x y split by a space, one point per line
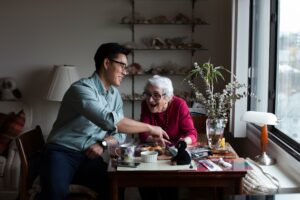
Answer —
88 113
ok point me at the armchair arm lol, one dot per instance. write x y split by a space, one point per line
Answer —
2 165
12 168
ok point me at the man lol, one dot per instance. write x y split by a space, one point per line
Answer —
90 117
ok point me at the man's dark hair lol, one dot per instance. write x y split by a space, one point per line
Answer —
109 50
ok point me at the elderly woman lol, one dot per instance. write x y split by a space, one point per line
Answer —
161 108
171 113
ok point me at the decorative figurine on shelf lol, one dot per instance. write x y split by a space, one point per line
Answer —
158 43
160 19
131 45
8 89
182 157
126 20
135 68
181 19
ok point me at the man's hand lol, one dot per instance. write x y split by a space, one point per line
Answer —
159 134
94 151
158 141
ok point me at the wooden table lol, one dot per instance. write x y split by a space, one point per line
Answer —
229 181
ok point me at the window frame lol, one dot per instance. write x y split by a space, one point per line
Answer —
281 139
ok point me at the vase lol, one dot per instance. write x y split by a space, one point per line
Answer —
215 131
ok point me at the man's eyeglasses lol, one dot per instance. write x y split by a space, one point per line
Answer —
155 96
123 65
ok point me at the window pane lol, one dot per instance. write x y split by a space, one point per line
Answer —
287 106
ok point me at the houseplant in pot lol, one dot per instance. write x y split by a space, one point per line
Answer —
217 104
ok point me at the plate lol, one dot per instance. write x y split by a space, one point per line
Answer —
163 153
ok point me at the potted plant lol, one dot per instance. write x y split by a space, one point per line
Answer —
216 104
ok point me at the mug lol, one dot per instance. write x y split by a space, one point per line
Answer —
125 152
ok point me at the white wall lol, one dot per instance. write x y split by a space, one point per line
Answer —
35 35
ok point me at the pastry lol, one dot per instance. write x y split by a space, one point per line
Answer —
159 149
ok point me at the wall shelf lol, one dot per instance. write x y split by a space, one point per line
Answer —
172 41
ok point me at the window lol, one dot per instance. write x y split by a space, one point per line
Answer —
275 64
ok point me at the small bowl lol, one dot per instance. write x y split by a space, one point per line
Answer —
149 156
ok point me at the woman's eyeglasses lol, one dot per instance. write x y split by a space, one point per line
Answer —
123 65
155 96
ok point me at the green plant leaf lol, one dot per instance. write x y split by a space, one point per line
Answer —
217 105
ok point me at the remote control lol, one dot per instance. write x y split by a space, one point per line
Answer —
210 165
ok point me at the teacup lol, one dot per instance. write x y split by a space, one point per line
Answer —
126 152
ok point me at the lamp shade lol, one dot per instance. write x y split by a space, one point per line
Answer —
62 77
260 118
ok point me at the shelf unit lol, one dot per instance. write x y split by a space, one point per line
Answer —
133 22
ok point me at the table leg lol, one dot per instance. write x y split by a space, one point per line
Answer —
114 190
239 186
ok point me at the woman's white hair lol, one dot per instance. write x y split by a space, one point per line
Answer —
161 82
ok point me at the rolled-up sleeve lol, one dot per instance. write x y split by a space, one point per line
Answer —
118 116
120 137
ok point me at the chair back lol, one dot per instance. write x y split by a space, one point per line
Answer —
30 144
200 123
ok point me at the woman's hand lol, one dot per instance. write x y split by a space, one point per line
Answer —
94 151
187 140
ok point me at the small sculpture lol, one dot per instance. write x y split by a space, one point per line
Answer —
140 19
126 20
161 19
181 19
135 68
182 157
130 45
158 43
199 21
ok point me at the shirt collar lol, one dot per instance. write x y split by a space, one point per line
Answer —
100 85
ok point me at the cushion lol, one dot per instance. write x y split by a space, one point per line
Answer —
258 182
11 126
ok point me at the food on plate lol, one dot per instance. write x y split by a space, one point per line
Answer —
159 149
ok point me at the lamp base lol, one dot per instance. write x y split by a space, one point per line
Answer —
264 159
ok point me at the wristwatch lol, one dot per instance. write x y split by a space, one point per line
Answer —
103 144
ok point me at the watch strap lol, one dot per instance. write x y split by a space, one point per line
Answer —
101 143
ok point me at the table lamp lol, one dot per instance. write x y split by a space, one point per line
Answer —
262 119
62 77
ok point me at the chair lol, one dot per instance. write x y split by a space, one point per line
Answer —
30 144
200 123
